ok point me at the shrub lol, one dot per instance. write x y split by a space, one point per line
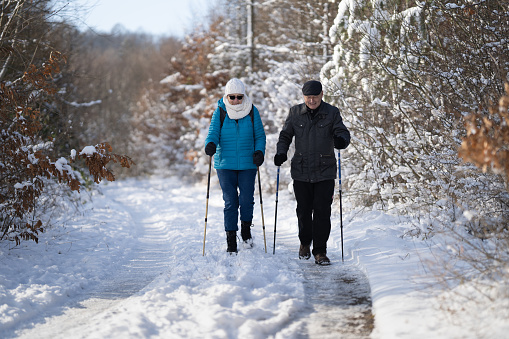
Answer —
487 140
24 159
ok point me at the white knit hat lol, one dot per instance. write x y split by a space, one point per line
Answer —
234 86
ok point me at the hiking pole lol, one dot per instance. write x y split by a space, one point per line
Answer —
261 206
207 207
275 214
340 206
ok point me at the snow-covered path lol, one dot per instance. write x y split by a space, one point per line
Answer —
162 286
148 258
131 266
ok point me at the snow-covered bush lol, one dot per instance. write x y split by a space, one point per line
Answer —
405 74
25 162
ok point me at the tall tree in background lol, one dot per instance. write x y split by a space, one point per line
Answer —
23 27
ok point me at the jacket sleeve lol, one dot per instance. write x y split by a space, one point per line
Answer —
259 132
285 136
214 129
340 129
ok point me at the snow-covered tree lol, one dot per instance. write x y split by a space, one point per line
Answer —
405 73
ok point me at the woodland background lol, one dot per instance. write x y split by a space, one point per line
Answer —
420 85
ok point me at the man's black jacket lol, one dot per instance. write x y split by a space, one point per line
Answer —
314 159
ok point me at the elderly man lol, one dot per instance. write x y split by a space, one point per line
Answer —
318 128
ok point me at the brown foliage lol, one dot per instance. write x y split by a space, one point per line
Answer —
99 158
487 140
24 162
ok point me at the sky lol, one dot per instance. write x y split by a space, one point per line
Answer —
157 17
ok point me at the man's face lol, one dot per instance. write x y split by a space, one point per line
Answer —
313 101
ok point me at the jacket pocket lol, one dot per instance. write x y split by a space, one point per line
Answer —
298 129
324 129
327 166
297 166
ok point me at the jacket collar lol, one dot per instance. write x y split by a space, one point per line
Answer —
221 104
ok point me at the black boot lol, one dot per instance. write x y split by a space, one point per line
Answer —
231 241
245 232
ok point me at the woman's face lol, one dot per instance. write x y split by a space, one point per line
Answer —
235 98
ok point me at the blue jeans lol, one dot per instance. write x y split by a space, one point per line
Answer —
230 181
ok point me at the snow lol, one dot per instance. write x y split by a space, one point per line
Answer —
62 166
20 186
85 104
88 150
131 265
171 79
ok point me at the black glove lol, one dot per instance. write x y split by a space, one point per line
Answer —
258 158
339 143
279 159
210 149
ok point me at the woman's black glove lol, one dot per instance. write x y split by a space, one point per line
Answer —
258 158
279 159
210 149
339 143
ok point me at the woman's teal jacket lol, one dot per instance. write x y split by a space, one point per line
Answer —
237 140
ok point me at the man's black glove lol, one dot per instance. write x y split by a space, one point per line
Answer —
339 143
258 158
210 149
279 159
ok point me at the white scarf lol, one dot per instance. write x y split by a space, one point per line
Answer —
239 111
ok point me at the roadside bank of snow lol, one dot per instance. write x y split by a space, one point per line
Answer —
407 301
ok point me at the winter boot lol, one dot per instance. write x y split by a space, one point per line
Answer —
304 252
321 259
231 241
245 232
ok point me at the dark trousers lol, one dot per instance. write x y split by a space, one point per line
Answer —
314 202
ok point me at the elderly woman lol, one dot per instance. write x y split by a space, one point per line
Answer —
236 139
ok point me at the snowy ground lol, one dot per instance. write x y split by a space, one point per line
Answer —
132 266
